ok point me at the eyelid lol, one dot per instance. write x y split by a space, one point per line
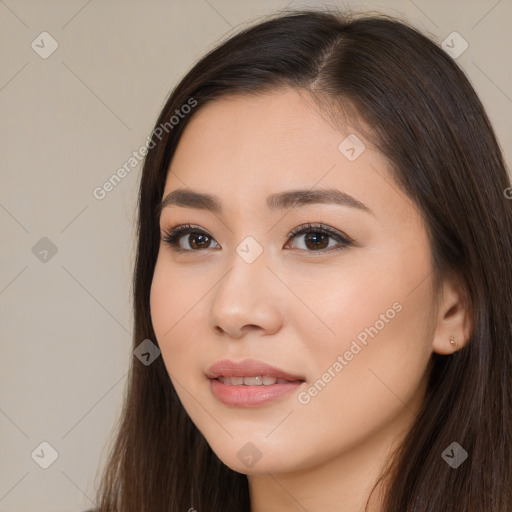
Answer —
321 228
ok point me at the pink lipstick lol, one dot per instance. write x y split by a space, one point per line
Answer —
250 383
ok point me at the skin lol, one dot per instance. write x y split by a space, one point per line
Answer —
296 307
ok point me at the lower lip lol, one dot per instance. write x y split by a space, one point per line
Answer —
251 396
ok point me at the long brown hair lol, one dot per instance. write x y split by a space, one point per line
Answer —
427 120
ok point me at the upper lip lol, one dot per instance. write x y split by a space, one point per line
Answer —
248 368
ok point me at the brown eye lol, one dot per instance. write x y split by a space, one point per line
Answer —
199 240
317 238
178 238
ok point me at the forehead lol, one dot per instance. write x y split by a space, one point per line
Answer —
244 148
286 118
280 134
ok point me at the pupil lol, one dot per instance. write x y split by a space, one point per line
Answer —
316 237
200 244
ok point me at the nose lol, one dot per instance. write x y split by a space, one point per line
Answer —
247 298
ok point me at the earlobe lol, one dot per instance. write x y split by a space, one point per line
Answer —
454 322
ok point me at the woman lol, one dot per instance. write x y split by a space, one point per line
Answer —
324 247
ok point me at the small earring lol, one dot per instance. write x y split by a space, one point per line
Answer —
452 341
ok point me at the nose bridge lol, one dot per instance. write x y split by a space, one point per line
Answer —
247 270
244 295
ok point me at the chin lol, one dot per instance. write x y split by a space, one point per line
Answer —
270 465
258 456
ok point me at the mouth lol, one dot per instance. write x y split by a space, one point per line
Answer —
250 383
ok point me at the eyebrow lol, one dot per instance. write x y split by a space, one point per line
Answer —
289 199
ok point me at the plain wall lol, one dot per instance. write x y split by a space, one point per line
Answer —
68 122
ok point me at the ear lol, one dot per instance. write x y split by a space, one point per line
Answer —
453 318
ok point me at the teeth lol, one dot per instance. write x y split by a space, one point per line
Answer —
260 380
253 381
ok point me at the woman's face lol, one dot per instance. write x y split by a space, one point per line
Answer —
344 313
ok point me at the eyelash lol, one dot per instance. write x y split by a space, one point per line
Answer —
172 236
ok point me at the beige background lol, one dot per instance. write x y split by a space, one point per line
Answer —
68 123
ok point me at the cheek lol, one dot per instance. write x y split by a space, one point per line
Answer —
382 301
359 389
175 299
370 344
341 305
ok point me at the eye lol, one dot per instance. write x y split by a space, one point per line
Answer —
316 238
197 239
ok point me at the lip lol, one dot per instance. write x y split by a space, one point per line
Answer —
248 368
250 396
